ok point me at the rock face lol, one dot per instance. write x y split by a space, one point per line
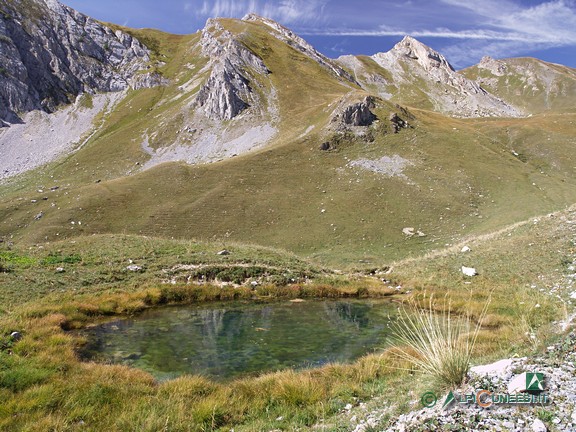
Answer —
359 114
413 72
52 53
227 91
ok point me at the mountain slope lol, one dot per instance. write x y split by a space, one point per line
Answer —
414 74
51 53
253 136
531 84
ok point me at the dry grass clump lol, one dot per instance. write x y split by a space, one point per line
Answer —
438 344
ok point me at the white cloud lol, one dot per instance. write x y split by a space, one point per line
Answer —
500 28
284 11
549 22
547 25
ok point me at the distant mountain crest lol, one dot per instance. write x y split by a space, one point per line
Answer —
423 54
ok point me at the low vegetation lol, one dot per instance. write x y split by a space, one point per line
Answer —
438 344
45 386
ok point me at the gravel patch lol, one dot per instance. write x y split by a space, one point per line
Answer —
389 166
211 147
43 137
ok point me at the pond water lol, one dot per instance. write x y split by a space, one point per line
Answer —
228 340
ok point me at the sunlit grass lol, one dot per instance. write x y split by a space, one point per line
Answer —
438 344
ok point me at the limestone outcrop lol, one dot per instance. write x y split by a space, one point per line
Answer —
52 53
227 92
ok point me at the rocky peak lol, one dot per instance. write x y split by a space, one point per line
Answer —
413 49
496 67
449 91
227 91
52 53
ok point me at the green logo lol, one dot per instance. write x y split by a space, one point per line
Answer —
534 381
428 399
449 399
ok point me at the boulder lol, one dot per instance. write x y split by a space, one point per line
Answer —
359 114
408 231
134 268
500 368
469 271
397 123
538 426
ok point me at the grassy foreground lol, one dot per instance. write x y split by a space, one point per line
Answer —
44 386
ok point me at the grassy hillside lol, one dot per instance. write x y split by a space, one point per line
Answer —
530 84
467 177
45 386
460 177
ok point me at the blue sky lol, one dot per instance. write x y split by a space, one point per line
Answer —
462 30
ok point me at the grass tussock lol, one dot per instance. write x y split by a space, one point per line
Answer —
440 345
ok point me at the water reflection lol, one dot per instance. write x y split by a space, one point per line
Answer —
228 340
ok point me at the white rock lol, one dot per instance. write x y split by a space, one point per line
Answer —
538 426
499 368
469 271
465 249
517 384
134 268
60 270
409 231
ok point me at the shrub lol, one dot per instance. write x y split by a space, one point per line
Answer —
438 344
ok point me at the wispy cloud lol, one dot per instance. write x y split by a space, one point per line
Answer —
547 25
284 11
497 27
551 22
439 33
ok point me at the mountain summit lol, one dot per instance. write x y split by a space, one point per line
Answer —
414 74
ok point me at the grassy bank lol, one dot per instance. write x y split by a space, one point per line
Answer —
46 387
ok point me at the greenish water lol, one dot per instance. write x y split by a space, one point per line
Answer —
228 340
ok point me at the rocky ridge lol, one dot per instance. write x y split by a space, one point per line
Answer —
52 53
227 92
289 37
415 67
532 84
